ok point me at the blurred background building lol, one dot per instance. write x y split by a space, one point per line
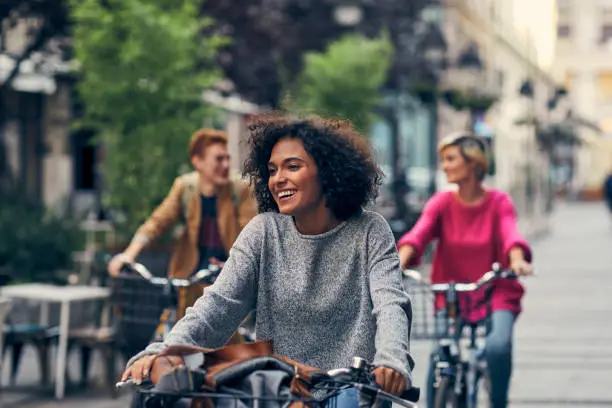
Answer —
498 55
583 63
532 77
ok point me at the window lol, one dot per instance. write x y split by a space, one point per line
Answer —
84 161
606 24
564 10
563 31
604 85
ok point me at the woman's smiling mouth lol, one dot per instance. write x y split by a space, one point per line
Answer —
286 194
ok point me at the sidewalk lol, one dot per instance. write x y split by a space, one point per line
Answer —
562 352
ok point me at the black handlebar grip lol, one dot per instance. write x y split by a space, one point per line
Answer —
412 395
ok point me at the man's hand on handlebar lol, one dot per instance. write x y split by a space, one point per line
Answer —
405 253
114 266
151 367
216 262
390 380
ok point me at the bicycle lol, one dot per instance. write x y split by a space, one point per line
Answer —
460 369
324 385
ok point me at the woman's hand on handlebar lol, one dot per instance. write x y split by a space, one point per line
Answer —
151 367
390 380
114 266
140 369
216 262
521 267
518 263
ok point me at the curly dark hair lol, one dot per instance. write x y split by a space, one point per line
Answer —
347 172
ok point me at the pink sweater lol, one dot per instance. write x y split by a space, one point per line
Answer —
470 239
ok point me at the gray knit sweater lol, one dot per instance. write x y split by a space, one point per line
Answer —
322 299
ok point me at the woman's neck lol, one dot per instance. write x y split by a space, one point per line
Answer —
316 222
471 192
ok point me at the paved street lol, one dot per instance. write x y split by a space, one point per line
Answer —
562 353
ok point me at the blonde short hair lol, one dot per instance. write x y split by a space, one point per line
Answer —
472 148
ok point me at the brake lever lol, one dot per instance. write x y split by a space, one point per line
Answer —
130 382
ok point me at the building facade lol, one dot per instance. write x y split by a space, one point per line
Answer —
515 41
583 62
35 125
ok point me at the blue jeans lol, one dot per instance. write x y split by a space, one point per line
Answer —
349 398
498 352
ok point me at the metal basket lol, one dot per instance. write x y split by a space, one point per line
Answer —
423 320
423 315
138 306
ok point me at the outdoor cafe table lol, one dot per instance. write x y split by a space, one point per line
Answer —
65 296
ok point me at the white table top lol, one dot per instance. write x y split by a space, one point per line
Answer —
54 293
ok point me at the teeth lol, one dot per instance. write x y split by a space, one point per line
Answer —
287 193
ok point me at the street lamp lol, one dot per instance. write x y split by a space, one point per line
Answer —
432 12
434 48
348 14
434 51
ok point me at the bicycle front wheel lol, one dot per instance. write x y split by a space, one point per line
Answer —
446 397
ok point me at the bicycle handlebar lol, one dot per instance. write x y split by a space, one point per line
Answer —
406 399
202 275
199 276
354 376
496 272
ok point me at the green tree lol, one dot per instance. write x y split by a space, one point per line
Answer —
143 65
345 80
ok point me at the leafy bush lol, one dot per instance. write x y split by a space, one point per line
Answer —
35 246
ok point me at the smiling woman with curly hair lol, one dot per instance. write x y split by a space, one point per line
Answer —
322 273
347 174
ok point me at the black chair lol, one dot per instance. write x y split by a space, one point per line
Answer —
18 335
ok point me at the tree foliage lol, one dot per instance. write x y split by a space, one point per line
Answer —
143 67
269 38
344 80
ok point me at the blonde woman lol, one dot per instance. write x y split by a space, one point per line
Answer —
474 227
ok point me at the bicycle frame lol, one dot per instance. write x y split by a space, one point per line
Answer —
465 364
462 363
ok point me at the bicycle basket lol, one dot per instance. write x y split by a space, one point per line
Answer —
138 306
423 320
474 310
